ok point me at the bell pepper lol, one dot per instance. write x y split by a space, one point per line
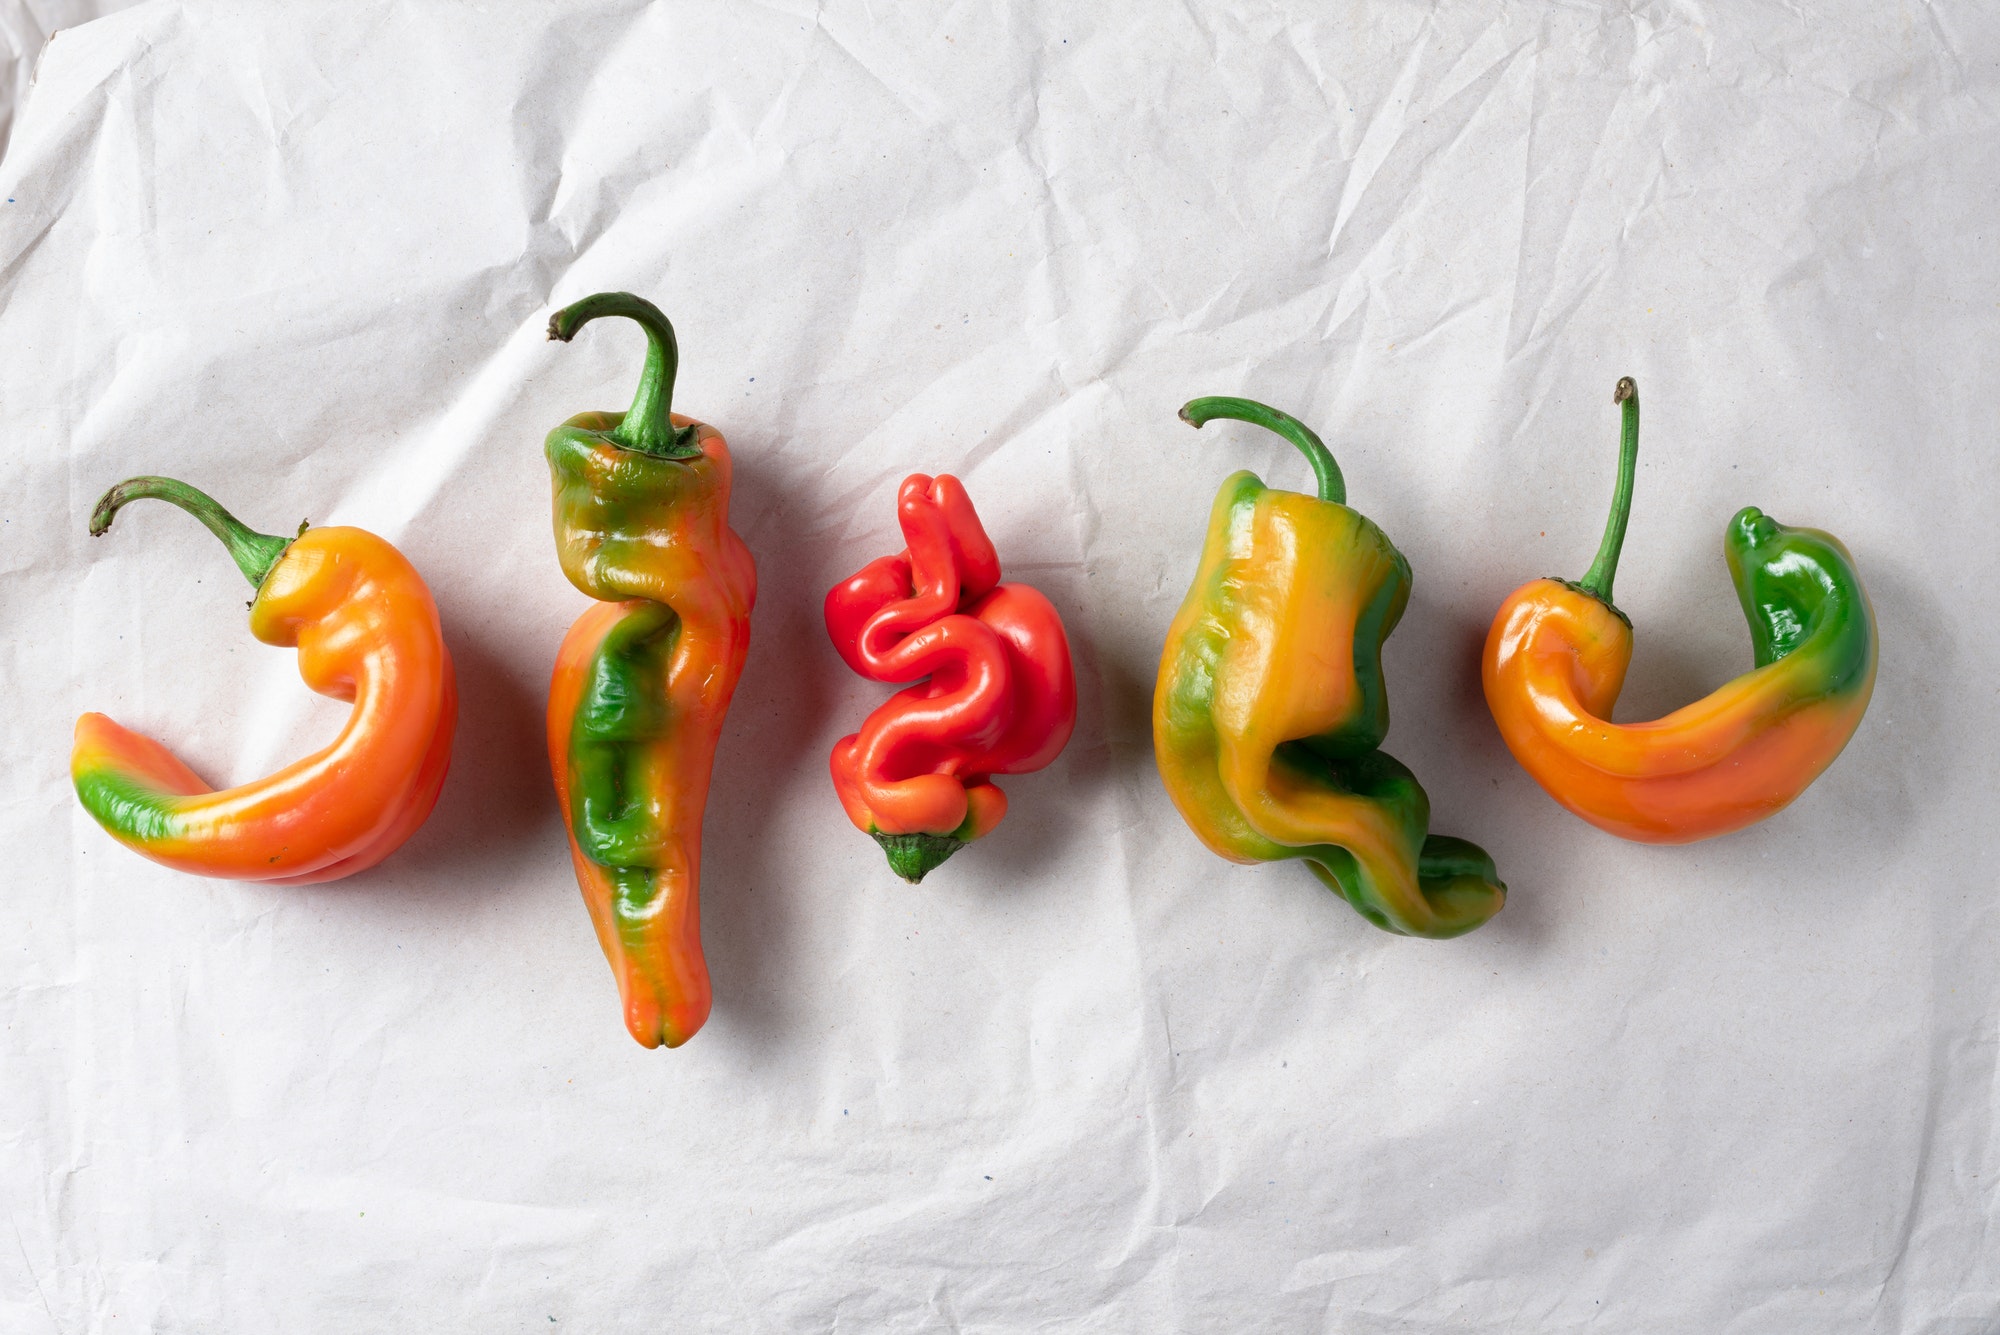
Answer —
366 631
1270 707
1557 653
996 693
644 677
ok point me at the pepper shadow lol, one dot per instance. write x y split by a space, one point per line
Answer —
1868 807
1441 728
1118 661
751 891
498 801
1126 670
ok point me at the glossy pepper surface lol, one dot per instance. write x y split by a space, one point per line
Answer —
1271 708
1558 650
366 631
644 677
995 690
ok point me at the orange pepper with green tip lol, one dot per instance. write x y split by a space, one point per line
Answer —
1557 653
644 677
1270 708
366 630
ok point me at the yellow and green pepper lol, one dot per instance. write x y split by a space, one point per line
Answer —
1270 707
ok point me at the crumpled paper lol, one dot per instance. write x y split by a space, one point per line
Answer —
1088 1077
26 26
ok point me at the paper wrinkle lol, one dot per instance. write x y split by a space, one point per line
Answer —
408 485
901 93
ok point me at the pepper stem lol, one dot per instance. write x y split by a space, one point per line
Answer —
1332 487
648 424
254 553
1597 580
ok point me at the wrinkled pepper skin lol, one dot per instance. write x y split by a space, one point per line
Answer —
1271 706
1557 654
644 678
367 633
996 691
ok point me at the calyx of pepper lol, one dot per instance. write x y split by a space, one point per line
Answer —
915 856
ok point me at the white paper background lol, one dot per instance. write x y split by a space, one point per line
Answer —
1088 1077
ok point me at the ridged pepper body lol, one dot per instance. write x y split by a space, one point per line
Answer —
644 678
1270 706
996 691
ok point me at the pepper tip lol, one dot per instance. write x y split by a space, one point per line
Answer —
1627 387
915 856
106 510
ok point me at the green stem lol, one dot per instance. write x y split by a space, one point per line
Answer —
1597 580
254 553
1332 487
648 425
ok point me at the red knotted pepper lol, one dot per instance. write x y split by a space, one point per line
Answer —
996 693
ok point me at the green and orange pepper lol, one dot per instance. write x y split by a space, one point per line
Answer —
1556 658
1270 707
366 631
645 676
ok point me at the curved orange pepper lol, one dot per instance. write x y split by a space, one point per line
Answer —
367 632
1557 653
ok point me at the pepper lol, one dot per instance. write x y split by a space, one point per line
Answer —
1270 707
644 677
366 631
996 693
1556 657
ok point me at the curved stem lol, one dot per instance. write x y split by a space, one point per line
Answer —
1332 487
648 425
1597 580
254 553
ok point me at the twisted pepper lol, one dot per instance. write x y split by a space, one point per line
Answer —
996 693
644 677
367 632
1270 706
1557 654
